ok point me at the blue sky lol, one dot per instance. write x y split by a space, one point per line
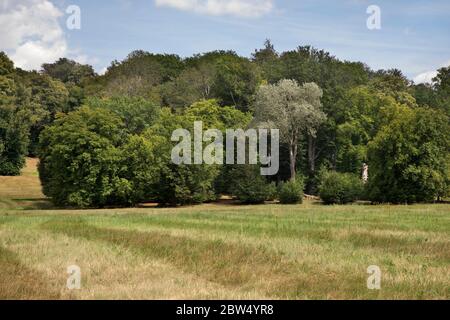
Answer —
414 35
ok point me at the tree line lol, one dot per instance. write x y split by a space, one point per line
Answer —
105 139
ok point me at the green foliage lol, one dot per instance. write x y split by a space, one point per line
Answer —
139 73
6 65
217 117
409 158
221 118
193 84
293 109
442 88
46 98
329 113
291 192
339 188
390 81
236 82
268 61
179 184
87 160
137 113
140 167
68 71
14 126
14 121
249 187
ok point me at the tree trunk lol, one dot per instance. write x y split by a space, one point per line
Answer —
312 154
293 159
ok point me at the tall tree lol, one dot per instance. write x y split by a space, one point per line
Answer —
409 158
442 87
236 81
14 121
293 109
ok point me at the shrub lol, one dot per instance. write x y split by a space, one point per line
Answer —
340 188
291 192
249 187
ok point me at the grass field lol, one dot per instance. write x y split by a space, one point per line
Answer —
219 251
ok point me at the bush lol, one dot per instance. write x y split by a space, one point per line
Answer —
340 188
249 187
291 192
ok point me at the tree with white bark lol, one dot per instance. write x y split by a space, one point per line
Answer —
293 109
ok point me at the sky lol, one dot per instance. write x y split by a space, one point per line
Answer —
413 34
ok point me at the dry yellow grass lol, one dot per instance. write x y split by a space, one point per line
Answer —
214 251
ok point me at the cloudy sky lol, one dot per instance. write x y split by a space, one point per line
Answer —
414 34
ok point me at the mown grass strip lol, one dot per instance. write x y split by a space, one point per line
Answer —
228 264
314 231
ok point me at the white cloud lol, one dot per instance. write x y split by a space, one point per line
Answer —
427 77
103 71
31 33
240 8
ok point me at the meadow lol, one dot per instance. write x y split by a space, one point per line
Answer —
219 251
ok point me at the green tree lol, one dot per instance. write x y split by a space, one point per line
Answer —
268 61
137 113
442 87
140 73
193 84
236 81
68 71
88 160
14 127
222 118
409 158
6 65
184 183
44 97
14 121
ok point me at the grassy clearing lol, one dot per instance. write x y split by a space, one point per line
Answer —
220 251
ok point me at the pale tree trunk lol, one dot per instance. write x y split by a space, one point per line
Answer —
312 154
310 187
293 158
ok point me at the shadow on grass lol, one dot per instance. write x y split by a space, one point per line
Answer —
34 204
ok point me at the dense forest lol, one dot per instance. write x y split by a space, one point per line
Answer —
105 140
